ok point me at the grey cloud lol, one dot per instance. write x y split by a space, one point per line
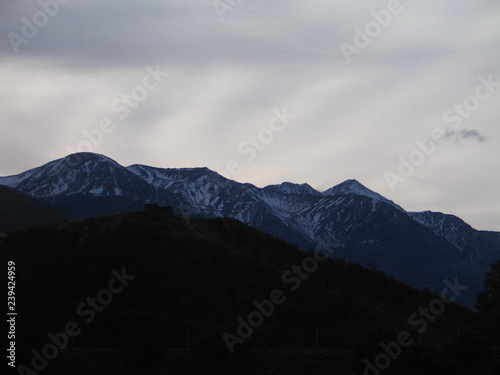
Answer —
457 136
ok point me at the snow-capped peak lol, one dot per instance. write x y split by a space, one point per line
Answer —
355 187
83 172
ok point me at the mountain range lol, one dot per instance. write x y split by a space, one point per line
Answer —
347 221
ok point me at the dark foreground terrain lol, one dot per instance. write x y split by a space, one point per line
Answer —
153 293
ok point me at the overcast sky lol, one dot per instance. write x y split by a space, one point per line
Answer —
358 91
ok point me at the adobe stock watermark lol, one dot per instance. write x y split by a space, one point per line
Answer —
454 115
265 308
122 107
88 310
215 185
31 27
221 7
255 143
373 28
425 315
250 148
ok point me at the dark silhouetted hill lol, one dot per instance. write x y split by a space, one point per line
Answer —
20 211
192 279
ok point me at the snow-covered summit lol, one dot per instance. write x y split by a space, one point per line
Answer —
354 187
80 173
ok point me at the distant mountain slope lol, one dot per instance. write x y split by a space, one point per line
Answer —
478 245
20 211
84 185
348 220
291 188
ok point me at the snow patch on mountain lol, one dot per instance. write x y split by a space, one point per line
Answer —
450 227
354 187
